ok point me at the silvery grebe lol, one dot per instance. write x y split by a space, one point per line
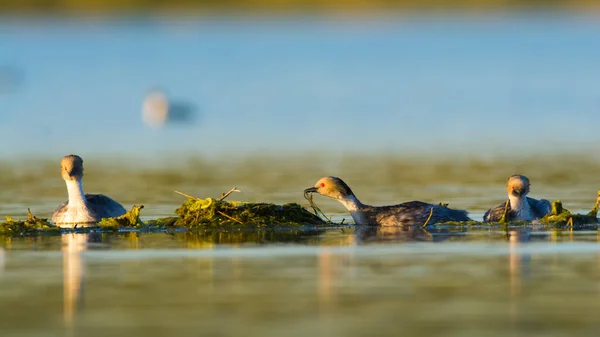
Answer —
408 213
82 208
520 207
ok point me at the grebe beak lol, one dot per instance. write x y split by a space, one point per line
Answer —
518 191
310 190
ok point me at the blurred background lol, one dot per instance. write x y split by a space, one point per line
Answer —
432 100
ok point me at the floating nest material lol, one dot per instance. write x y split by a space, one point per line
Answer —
561 216
30 226
215 213
131 219
34 225
193 213
210 212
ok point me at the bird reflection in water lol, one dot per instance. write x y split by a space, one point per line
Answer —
327 274
519 268
335 267
518 263
2 261
397 234
74 273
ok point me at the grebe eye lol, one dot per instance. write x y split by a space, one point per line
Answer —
322 184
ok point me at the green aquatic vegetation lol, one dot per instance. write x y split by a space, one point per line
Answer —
35 225
317 211
193 213
561 216
161 223
460 223
213 212
210 212
131 219
30 226
504 218
594 211
196 212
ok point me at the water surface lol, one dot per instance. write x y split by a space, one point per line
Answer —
327 283
481 85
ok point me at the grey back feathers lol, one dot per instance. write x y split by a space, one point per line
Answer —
413 213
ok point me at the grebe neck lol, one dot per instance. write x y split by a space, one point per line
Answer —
76 195
355 207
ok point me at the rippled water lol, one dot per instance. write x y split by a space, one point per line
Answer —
342 282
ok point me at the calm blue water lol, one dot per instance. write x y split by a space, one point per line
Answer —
390 84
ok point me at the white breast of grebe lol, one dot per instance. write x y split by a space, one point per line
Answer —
520 206
77 210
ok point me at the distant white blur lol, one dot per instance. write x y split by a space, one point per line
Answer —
155 110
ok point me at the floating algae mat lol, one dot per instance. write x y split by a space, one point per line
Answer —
35 225
561 216
210 212
193 213
196 213
30 226
128 220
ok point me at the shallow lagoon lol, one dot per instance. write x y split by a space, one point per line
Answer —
336 282
328 283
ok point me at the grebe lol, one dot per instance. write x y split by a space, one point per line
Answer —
520 207
408 213
82 208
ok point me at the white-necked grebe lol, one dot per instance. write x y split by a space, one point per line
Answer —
520 207
82 208
408 213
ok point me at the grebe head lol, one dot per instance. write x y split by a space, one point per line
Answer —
332 187
518 185
71 167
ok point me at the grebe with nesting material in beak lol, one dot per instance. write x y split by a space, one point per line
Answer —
408 213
